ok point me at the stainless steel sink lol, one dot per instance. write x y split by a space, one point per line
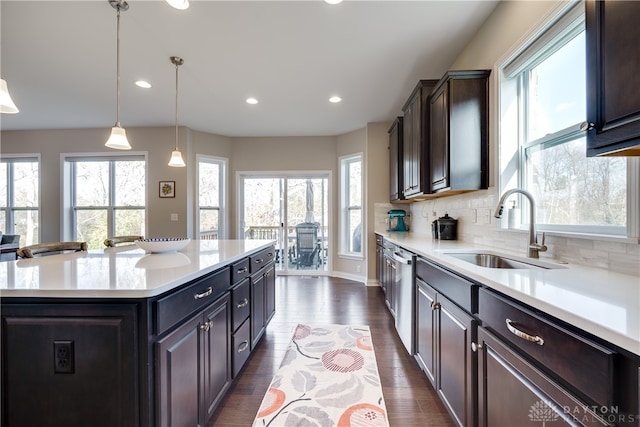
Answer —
490 260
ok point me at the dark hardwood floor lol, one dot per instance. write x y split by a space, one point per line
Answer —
409 397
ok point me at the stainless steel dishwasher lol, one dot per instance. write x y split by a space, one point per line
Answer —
404 296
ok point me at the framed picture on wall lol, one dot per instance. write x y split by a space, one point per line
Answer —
167 189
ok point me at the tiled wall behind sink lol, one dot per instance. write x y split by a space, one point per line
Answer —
610 254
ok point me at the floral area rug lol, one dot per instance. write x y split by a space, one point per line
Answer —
328 377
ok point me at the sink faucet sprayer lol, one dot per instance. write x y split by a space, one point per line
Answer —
534 247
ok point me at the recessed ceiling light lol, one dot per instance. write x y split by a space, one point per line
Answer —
143 84
333 1
335 99
252 101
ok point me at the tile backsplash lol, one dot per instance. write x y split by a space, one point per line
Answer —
477 225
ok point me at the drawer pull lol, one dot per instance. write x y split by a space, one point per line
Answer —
258 261
536 339
243 346
243 304
205 294
242 270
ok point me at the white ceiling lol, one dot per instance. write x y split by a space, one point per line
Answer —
59 60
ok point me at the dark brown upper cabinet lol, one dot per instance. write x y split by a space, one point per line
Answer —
415 141
396 172
613 78
458 139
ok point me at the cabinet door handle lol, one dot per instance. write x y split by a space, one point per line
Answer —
243 303
206 326
242 270
475 347
243 346
517 332
205 294
435 305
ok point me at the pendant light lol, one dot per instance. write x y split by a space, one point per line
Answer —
176 156
6 103
179 4
118 138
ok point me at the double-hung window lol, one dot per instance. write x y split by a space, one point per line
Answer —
19 197
543 146
351 205
108 197
211 184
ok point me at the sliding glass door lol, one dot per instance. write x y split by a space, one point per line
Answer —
293 210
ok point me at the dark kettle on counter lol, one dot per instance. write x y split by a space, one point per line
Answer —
447 228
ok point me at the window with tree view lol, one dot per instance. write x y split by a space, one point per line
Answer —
351 200
108 198
19 196
547 83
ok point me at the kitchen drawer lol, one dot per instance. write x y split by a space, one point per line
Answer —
239 271
261 259
241 303
241 347
459 290
581 363
176 306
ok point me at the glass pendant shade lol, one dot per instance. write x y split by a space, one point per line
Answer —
179 4
118 139
6 103
176 159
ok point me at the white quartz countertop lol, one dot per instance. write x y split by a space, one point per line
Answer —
603 303
120 272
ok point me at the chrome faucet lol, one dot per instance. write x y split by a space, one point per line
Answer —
534 247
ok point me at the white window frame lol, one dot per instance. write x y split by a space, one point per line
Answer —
559 25
346 209
222 194
8 226
68 183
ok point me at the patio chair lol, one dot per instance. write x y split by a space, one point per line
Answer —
307 245
113 241
51 248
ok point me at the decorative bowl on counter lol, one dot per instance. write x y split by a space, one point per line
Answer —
162 244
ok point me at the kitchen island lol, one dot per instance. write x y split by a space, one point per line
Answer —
120 337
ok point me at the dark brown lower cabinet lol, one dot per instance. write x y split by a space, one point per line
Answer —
193 370
50 356
445 333
263 301
513 392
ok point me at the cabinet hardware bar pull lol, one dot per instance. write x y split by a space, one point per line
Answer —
242 270
243 303
206 293
243 346
536 339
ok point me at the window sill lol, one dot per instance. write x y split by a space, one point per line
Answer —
351 256
576 235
